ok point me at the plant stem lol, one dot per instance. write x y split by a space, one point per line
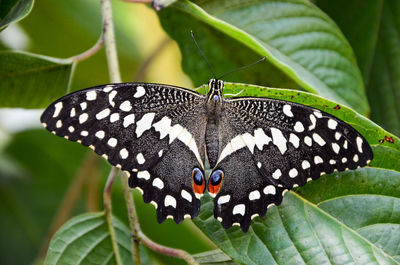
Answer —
133 220
109 42
90 52
173 252
115 77
108 212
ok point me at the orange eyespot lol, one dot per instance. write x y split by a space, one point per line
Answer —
198 181
215 181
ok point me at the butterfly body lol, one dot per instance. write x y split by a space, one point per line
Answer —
161 135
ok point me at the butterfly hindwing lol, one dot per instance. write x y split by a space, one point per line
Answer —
141 128
273 145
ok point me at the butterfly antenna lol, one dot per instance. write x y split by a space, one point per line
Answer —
243 67
202 54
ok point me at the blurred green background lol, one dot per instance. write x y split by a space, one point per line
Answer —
40 184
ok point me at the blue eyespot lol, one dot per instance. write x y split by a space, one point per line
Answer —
216 177
216 97
197 176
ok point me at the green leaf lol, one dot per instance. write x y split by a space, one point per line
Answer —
32 81
384 84
12 11
213 257
360 24
85 239
303 46
326 220
311 228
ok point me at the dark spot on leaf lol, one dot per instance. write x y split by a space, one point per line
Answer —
381 141
389 139
336 107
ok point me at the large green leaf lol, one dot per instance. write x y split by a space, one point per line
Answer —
85 239
304 48
329 219
384 84
324 228
13 11
373 30
31 81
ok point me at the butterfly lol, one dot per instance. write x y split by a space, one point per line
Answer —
161 136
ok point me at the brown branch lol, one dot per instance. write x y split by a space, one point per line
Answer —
172 252
90 52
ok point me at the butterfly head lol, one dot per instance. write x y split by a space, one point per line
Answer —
216 87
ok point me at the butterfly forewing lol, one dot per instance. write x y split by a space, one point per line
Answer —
144 129
270 146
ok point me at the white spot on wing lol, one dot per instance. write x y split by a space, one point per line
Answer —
270 189
143 175
318 114
84 133
345 144
123 153
336 148
83 105
249 140
313 122
128 120
317 138
112 142
174 132
140 158
287 110
293 173
239 209
91 95
254 195
332 124
259 164
294 140
186 195
71 129
58 106
170 201
359 141
163 126
298 127
114 117
140 91
111 97
108 88
261 138
307 140
158 183
125 106
355 158
338 135
277 174
100 134
102 114
83 117
318 160
279 140
224 199
59 124
72 113
144 123
305 164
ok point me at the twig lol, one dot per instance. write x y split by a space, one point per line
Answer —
115 77
109 42
133 220
108 212
173 252
90 52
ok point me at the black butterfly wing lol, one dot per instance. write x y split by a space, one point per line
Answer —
271 146
153 132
